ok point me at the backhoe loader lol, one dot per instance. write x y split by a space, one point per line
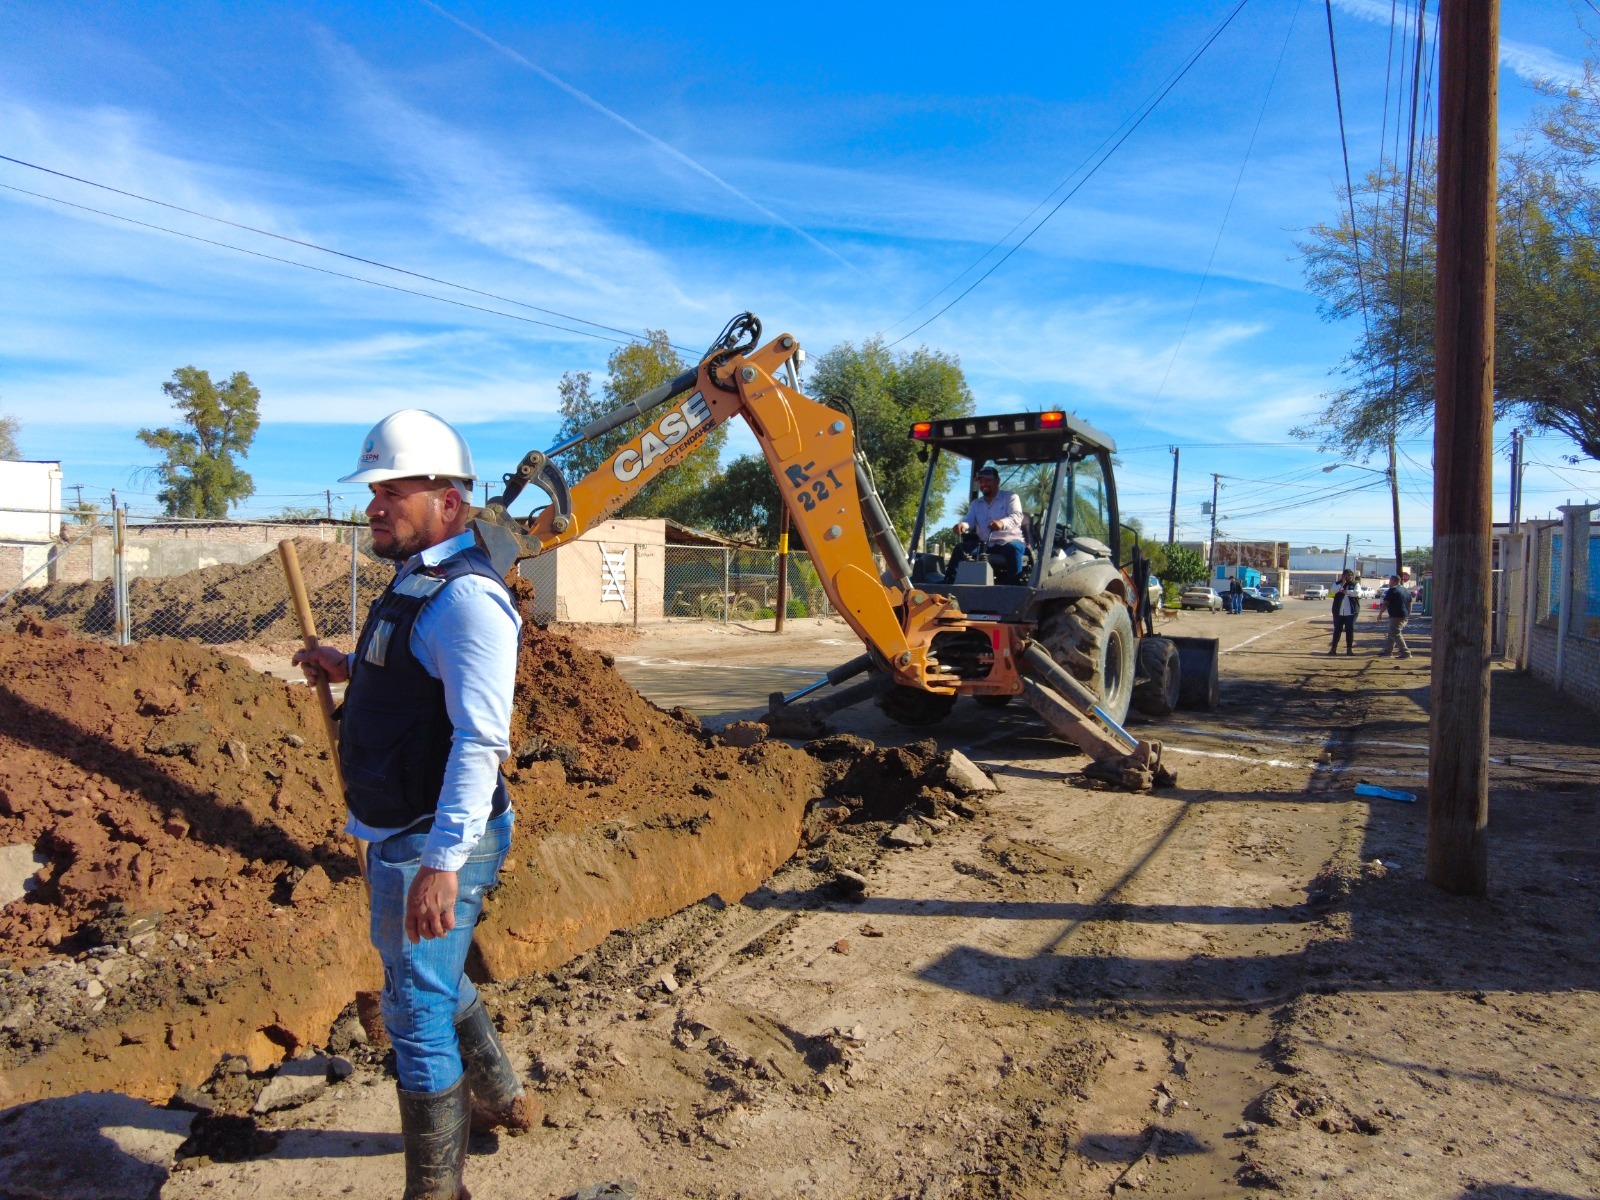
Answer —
1065 640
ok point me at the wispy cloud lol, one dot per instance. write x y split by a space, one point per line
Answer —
671 151
1529 61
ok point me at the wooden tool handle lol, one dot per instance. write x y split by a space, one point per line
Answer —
308 634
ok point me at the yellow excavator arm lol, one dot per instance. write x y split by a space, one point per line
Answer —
838 515
810 448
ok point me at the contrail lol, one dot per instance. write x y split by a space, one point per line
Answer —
584 98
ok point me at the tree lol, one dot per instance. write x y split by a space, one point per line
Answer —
744 499
301 512
200 477
9 428
1547 309
1388 375
1419 560
887 394
633 370
1547 296
1182 564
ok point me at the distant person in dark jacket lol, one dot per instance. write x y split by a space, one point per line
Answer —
1397 607
1346 604
1235 595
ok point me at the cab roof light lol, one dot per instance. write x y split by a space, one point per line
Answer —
922 429
1051 420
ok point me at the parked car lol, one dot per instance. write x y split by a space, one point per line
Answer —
1256 602
1268 591
1315 591
1200 596
1156 592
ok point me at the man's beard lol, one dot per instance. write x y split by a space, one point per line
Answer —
398 550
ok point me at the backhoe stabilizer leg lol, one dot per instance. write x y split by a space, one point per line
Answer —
1073 713
787 718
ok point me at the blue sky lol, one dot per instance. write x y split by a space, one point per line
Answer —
667 166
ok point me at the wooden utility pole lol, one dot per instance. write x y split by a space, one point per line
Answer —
1172 513
1211 546
1458 752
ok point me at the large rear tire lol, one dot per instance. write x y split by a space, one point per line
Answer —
914 707
1093 638
1157 696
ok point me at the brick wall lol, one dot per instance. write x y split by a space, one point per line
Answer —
1580 668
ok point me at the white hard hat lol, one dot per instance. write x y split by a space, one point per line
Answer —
413 443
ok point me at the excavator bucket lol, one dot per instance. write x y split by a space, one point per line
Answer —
1197 660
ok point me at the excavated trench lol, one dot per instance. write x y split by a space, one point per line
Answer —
195 898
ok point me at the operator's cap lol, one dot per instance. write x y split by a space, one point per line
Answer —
412 444
989 469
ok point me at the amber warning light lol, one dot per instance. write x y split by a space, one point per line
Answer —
1050 420
922 429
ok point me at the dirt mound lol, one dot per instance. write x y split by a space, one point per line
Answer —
190 821
881 784
246 602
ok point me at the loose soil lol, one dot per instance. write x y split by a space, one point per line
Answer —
1239 986
227 604
188 822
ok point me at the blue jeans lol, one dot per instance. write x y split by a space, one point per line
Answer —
424 985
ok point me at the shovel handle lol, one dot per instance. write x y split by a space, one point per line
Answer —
308 634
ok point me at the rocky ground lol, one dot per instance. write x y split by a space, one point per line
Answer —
1241 985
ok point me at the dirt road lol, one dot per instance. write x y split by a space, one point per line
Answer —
1237 985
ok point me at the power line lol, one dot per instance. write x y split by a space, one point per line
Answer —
1023 220
666 148
309 267
371 262
1115 146
1349 187
1228 211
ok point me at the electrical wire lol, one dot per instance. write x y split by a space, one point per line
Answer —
371 262
193 237
1349 187
1306 502
1228 211
1115 146
1023 220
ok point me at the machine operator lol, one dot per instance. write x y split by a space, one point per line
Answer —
991 528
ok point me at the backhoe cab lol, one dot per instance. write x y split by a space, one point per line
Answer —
1071 598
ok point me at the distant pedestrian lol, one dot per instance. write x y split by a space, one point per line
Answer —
1397 607
1235 595
1346 604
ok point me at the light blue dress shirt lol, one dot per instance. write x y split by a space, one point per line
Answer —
465 637
1005 508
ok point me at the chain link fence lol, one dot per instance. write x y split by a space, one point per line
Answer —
222 583
728 584
217 582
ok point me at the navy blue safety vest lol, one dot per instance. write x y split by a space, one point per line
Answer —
394 731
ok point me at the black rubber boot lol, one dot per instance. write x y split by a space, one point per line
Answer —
434 1126
498 1098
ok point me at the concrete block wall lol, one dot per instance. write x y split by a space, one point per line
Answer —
1580 668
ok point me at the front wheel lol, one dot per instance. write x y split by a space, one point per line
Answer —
1157 695
1093 638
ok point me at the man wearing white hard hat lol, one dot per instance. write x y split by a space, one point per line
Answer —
424 727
